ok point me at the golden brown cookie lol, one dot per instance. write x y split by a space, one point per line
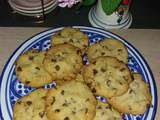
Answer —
63 61
104 111
30 69
79 77
71 101
107 76
31 107
136 100
108 47
71 36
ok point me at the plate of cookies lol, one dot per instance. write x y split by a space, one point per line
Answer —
77 73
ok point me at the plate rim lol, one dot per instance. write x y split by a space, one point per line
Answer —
90 28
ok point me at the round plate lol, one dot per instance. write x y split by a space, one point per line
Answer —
12 89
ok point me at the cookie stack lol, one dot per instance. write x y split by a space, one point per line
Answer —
78 84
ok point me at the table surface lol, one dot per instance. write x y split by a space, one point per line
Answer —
145 40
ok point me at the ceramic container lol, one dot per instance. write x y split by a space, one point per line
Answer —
121 18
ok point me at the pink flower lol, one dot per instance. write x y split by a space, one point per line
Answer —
68 3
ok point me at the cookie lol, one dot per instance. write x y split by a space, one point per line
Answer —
108 47
137 98
31 56
107 76
71 101
79 77
31 107
30 69
71 36
63 61
104 111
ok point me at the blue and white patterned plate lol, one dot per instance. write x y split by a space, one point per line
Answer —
11 89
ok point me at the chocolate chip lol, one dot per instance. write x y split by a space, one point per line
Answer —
58 55
65 104
86 110
45 54
130 91
120 83
108 82
57 67
44 97
113 88
19 69
62 92
116 67
129 107
103 70
30 57
94 62
106 47
59 33
53 60
79 52
87 100
73 112
89 84
66 118
94 90
99 107
53 100
125 78
29 103
37 68
95 71
64 52
119 50
19 102
108 107
70 40
96 50
57 110
103 53
27 82
85 45
41 114
122 69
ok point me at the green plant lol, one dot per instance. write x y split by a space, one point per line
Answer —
109 6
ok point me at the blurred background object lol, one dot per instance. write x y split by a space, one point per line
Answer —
34 8
145 15
111 15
